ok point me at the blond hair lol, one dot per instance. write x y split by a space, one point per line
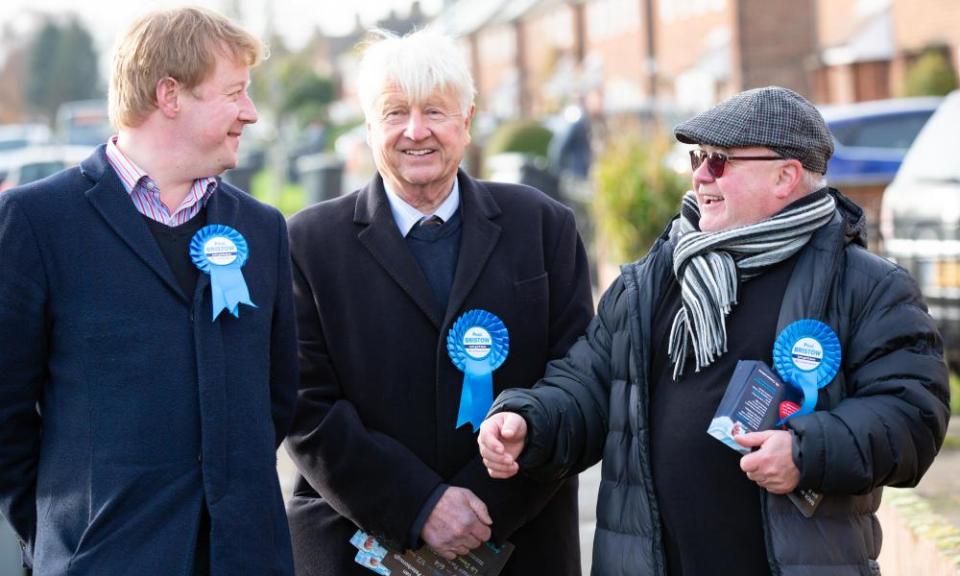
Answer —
180 43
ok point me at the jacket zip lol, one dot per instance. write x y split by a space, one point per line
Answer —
819 310
634 326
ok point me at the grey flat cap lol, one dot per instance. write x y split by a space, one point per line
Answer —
772 117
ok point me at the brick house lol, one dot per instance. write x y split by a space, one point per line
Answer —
867 46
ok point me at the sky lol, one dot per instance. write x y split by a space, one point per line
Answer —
295 19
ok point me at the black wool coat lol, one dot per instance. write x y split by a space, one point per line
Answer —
375 425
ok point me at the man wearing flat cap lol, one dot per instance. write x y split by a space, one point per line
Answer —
764 263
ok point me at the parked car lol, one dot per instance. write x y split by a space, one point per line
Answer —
14 138
920 219
39 162
871 138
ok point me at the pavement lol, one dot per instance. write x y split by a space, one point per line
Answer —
941 484
589 486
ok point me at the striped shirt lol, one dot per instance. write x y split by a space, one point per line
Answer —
146 194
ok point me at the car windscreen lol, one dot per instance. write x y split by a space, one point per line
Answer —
895 131
932 156
13 144
38 170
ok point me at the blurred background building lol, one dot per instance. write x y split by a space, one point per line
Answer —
575 97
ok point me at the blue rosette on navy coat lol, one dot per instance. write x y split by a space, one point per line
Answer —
221 252
478 344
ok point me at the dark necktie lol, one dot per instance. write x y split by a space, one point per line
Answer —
430 221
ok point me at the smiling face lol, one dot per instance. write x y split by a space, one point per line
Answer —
417 146
748 192
212 117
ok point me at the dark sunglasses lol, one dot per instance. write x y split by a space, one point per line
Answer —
717 161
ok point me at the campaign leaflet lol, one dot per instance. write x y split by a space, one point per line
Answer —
486 560
751 403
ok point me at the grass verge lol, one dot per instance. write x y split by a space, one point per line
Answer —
290 198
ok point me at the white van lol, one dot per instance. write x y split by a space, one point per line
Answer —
920 219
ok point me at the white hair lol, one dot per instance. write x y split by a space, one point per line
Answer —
419 64
813 181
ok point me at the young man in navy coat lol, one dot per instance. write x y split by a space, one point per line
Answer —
381 434
147 335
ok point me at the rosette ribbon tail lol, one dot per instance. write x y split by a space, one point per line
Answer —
477 394
808 385
229 290
807 355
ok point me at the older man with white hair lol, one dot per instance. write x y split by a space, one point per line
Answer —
419 297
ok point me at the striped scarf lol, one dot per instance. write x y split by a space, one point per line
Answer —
707 265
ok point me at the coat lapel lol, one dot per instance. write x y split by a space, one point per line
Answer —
382 239
479 238
113 203
223 207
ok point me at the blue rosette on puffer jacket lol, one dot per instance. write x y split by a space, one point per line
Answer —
478 344
807 356
221 252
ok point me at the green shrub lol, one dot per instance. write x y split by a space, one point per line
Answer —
954 394
636 195
526 136
930 75
951 443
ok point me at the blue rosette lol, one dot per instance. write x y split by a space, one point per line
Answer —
478 344
807 356
221 252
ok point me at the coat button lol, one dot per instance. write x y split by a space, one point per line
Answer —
200 457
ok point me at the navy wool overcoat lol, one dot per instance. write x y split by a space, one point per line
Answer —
123 407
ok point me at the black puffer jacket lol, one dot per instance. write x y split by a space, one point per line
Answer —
880 422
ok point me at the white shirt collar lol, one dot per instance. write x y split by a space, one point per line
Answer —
406 216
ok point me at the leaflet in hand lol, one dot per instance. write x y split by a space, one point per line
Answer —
756 399
750 403
486 560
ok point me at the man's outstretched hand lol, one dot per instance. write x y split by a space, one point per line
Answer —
501 439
